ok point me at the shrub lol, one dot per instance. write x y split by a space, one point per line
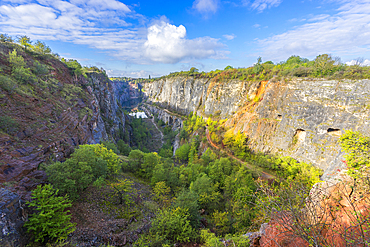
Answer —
8 125
173 226
123 148
50 221
182 153
19 72
87 164
110 146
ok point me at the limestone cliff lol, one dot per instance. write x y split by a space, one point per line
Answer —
301 118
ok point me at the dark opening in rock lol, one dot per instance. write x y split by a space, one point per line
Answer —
333 131
299 137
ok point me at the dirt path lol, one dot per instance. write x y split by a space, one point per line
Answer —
262 174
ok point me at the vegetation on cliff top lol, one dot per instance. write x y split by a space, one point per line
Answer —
323 66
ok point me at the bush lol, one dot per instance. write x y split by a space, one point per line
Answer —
172 226
182 153
87 164
8 125
110 146
123 148
51 221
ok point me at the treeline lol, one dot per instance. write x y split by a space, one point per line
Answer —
323 66
40 49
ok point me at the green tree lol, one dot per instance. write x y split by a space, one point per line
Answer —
50 221
19 70
325 64
25 41
207 192
122 189
6 38
193 70
173 225
257 68
188 200
42 48
182 153
123 148
110 146
162 194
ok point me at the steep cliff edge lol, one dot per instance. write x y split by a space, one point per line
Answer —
301 118
46 111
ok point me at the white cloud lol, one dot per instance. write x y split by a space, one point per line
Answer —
344 33
105 28
229 36
133 74
167 43
360 62
256 25
261 5
206 6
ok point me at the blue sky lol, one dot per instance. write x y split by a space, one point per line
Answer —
137 38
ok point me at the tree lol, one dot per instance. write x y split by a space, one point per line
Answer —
25 41
19 70
325 64
182 153
162 194
193 70
228 67
6 38
123 148
41 47
51 220
257 68
122 189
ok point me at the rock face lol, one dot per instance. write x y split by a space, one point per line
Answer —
111 120
299 118
12 215
127 93
57 112
169 118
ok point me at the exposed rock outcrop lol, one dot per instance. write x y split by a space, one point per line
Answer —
300 118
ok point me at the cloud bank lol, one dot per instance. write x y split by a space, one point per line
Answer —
346 32
105 25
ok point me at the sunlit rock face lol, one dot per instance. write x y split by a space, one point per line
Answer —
302 118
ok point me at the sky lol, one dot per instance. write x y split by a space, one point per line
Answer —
138 38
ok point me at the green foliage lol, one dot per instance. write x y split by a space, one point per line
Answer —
110 146
19 71
182 153
173 226
207 192
50 221
74 66
8 125
257 68
123 148
41 48
162 194
6 38
122 189
87 164
221 222
210 240
357 149
25 41
188 200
